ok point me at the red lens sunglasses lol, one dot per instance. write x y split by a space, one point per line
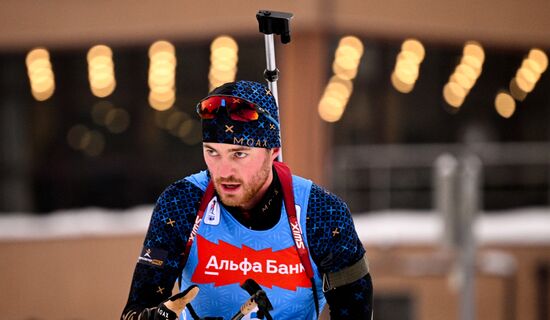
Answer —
237 109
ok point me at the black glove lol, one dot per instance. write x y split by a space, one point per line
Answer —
171 308
158 313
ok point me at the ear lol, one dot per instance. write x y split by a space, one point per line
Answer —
275 153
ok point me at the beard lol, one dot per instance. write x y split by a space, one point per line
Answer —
249 190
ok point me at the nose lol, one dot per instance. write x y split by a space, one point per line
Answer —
225 168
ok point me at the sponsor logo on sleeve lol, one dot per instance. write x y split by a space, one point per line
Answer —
153 257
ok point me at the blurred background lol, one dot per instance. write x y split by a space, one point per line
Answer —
431 119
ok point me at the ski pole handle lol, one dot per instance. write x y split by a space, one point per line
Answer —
246 308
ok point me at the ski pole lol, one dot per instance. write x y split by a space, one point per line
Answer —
258 298
273 22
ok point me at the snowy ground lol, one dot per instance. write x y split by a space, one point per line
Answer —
520 226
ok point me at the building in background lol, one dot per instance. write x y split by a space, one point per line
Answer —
110 127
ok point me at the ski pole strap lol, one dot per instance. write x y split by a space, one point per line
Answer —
347 275
285 176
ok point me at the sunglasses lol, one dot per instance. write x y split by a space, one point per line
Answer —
237 109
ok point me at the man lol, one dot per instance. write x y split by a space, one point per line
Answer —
245 218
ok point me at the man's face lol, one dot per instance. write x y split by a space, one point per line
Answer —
241 174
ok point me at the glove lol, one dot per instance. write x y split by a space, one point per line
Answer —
171 308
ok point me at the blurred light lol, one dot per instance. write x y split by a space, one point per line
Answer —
224 65
347 62
101 62
90 142
101 72
41 77
167 57
37 54
407 65
345 66
41 83
473 63
352 42
406 73
528 74
223 61
414 46
341 84
76 135
43 95
161 105
104 91
339 88
93 143
161 82
348 51
523 83
532 65
454 94
99 51
180 124
194 136
163 47
174 120
462 80
538 56
117 120
161 118
465 75
400 85
225 54
162 75
39 65
505 105
407 57
162 67
100 111
347 57
347 74
330 109
161 89
224 42
162 96
216 75
185 128
474 49
467 71
516 92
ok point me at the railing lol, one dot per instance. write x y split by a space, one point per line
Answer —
379 177
454 178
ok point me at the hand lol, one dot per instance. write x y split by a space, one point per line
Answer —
172 307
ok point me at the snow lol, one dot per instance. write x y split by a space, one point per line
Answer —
524 226
75 223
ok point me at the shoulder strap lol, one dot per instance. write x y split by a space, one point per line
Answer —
288 195
285 176
208 195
